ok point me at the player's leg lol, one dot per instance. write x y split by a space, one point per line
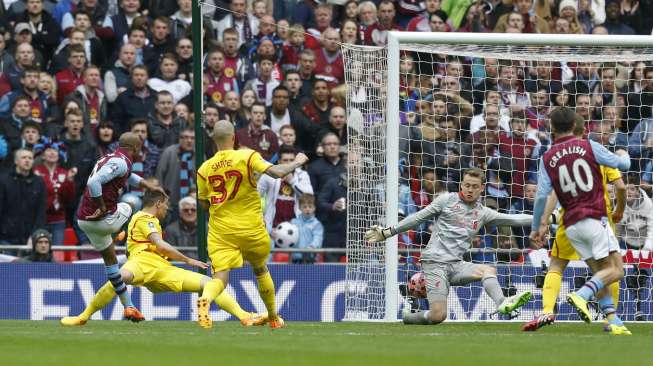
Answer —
100 300
437 290
594 240
256 252
552 283
605 296
210 291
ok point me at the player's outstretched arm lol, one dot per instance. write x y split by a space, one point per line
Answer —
620 159
171 252
377 233
281 170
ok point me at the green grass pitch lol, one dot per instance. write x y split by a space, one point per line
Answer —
306 343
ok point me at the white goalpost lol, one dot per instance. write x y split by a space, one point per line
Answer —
428 105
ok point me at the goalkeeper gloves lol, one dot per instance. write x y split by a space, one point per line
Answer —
377 234
555 217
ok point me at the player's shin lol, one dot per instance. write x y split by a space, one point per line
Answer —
493 289
614 291
609 310
227 303
266 290
113 272
419 318
212 289
550 291
103 297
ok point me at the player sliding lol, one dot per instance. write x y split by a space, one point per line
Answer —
572 168
563 252
227 188
100 215
148 266
459 218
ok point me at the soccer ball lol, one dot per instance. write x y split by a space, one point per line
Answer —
417 286
285 235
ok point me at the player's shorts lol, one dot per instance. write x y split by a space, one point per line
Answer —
440 276
99 232
229 250
562 247
157 274
592 238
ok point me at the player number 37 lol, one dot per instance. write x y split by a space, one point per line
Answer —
571 186
219 184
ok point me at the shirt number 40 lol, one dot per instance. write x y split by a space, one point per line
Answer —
219 184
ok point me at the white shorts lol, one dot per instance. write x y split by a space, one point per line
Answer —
592 238
99 232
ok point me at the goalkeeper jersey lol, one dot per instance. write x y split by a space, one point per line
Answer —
457 223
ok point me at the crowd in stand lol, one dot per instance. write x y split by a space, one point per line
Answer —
75 74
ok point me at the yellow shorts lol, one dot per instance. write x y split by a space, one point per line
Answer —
157 274
229 250
562 247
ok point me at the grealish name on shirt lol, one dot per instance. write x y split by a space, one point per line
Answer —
564 152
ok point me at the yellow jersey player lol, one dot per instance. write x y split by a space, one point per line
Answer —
562 251
148 266
227 188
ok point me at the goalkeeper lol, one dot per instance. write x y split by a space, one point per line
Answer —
459 217
148 266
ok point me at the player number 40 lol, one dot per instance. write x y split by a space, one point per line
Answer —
569 185
219 184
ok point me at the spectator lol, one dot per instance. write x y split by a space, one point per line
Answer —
264 83
211 117
22 200
82 36
421 22
318 108
121 22
48 86
377 34
167 79
323 20
535 23
332 213
512 92
91 98
475 19
39 105
306 72
105 136
176 168
11 126
287 136
59 186
328 60
283 195
45 30
245 24
184 51
135 102
183 112
219 83
70 78
182 19
117 79
6 58
257 136
161 42
349 32
278 115
337 124
163 125
81 152
524 206
636 227
438 21
25 58
293 83
613 22
311 231
523 151
30 135
230 48
42 242
96 13
292 48
181 232
231 110
329 166
568 10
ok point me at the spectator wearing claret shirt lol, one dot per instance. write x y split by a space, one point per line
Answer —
377 33
328 61
257 136
292 49
218 82
230 47
316 110
91 98
323 20
39 105
69 79
522 149
97 15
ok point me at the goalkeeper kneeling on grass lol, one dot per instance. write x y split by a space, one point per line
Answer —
459 217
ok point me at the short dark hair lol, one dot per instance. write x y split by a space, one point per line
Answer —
139 67
476 173
164 93
211 105
78 48
281 87
259 104
290 72
633 179
286 149
150 198
563 120
29 69
137 121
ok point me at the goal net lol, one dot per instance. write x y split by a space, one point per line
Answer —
428 106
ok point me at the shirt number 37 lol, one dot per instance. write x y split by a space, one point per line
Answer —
219 184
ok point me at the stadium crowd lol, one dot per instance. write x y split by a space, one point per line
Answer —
75 74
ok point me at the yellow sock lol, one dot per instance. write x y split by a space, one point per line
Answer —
212 289
550 291
104 296
266 290
227 303
614 289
